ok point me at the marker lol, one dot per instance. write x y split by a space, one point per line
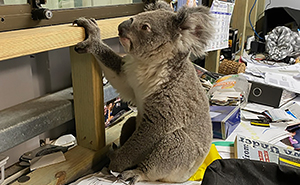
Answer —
262 124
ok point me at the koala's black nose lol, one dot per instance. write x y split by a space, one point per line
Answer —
124 26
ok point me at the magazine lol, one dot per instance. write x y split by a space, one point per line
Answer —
246 148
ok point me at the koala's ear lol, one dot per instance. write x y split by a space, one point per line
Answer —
195 27
156 4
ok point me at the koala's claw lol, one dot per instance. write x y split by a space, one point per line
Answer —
89 24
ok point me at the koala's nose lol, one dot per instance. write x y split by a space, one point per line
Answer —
123 27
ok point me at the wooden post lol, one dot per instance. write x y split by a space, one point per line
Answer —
239 19
88 100
212 61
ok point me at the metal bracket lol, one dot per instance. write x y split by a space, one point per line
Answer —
38 12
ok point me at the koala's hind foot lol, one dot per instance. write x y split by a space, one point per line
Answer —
92 34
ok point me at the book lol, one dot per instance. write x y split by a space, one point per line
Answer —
246 148
205 74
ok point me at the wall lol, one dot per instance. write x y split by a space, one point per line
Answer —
284 3
28 77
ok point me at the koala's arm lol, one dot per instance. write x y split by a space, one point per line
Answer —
110 62
93 44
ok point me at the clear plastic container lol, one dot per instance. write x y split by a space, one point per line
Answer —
230 83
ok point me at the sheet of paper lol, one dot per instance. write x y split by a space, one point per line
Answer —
222 12
232 94
101 179
257 108
284 81
279 115
260 70
271 134
249 115
294 107
225 148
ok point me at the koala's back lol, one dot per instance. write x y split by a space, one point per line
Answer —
182 102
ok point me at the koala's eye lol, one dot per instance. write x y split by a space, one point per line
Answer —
145 27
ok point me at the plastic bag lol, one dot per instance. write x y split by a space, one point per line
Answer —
229 90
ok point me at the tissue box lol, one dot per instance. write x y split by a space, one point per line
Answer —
224 119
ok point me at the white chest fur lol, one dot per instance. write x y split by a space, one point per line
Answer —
144 77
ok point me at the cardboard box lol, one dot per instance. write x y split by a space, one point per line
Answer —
224 119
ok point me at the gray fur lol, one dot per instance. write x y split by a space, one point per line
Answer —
154 5
173 131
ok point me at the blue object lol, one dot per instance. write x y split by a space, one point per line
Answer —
226 122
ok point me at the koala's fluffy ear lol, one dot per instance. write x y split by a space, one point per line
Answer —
156 4
195 27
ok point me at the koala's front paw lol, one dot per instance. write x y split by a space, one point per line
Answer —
115 165
133 175
118 162
92 35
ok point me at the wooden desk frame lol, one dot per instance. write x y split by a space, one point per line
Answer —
87 89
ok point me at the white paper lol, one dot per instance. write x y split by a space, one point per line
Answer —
258 108
284 81
279 115
231 94
222 12
249 115
271 134
294 107
46 160
101 179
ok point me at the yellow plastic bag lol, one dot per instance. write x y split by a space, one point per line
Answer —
211 156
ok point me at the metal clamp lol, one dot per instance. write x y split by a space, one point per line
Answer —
38 12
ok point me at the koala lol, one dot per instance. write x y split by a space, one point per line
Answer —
172 132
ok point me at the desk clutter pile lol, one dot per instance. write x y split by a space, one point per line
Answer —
256 140
255 114
256 121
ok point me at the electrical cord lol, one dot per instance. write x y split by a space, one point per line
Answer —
251 22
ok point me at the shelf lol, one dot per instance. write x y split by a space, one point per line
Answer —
27 120
29 41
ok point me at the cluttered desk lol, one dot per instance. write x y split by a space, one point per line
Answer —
255 142
255 116
272 102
